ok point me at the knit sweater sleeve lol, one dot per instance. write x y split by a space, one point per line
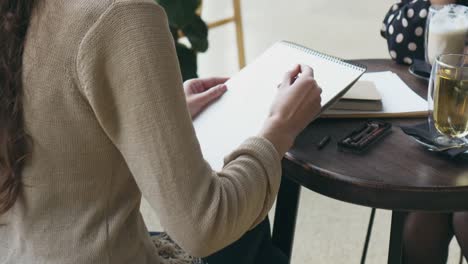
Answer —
128 72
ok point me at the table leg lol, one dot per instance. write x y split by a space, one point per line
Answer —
395 251
285 215
368 235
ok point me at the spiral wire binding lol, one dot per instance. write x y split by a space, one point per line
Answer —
353 65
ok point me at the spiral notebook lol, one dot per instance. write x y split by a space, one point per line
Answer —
241 111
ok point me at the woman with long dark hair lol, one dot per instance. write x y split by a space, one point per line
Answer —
93 115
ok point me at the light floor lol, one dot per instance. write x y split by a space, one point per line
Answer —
328 231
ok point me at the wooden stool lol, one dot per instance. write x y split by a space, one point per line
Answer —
237 20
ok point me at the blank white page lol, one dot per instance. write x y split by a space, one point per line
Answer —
398 100
241 111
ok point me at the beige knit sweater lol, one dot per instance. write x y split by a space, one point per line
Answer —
106 111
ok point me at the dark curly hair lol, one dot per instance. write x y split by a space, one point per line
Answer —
14 21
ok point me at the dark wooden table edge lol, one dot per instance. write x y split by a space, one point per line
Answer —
297 173
372 194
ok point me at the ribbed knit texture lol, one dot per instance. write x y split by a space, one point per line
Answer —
105 108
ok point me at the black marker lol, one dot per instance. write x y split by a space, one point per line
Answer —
371 137
368 130
323 142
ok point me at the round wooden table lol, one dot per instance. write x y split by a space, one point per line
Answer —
396 174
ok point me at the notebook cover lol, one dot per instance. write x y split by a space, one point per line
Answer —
398 100
363 90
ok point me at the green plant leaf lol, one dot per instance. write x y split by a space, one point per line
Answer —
187 61
197 34
180 12
182 17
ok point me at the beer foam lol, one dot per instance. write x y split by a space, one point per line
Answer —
447 32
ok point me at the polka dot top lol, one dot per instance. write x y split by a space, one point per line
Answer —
404 26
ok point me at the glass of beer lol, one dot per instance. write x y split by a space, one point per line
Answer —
448 100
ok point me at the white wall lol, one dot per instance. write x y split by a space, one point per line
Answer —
348 29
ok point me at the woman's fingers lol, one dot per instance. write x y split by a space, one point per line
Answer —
208 83
307 71
290 76
197 102
210 95
196 86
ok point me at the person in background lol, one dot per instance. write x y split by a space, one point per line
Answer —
404 26
426 235
94 115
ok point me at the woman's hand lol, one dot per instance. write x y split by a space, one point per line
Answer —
297 103
199 93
